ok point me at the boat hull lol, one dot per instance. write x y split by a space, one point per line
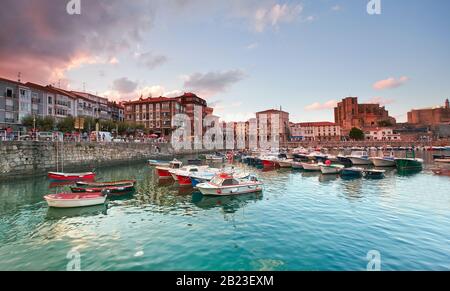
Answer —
380 162
107 184
163 173
330 170
408 164
311 167
285 164
183 181
71 177
75 200
236 190
350 173
360 161
269 164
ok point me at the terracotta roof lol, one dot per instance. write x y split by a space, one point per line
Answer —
61 91
150 100
309 124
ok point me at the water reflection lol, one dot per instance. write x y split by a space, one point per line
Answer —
229 204
60 213
328 178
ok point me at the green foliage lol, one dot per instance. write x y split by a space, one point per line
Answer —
356 134
67 124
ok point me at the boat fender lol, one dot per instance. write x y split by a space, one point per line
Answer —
328 162
219 191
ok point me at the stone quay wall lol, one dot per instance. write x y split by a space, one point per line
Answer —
31 158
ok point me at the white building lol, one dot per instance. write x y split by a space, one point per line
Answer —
312 131
382 134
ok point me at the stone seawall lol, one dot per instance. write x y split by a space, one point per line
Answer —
22 159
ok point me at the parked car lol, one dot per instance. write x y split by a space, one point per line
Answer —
25 137
45 136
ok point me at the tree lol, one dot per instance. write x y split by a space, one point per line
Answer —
28 121
356 134
46 124
67 124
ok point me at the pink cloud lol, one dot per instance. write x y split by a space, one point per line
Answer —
390 83
321 106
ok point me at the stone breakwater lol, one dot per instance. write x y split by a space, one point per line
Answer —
21 159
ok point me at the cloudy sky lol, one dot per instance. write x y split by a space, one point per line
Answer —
242 56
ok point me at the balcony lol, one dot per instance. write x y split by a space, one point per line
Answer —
10 120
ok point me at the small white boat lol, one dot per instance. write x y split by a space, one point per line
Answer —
312 166
285 163
317 155
214 158
296 165
359 158
156 163
331 169
71 200
387 160
225 184
443 161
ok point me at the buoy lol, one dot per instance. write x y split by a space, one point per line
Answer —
328 162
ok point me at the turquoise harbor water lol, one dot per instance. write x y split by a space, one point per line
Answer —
302 221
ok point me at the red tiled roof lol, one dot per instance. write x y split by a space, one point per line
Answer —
309 124
150 100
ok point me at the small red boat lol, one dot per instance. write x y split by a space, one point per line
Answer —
71 176
110 190
163 171
270 163
107 184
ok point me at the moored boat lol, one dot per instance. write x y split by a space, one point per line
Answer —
106 184
183 175
296 165
155 163
441 171
409 163
383 161
374 174
110 190
344 161
225 184
163 172
443 161
352 172
269 162
359 158
331 169
311 166
285 163
71 200
56 176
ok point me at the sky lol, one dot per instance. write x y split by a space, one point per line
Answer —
241 56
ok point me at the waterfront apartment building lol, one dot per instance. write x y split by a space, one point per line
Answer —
349 113
274 117
116 111
382 134
156 113
430 116
315 131
89 105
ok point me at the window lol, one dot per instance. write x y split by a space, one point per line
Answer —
9 92
50 100
50 111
